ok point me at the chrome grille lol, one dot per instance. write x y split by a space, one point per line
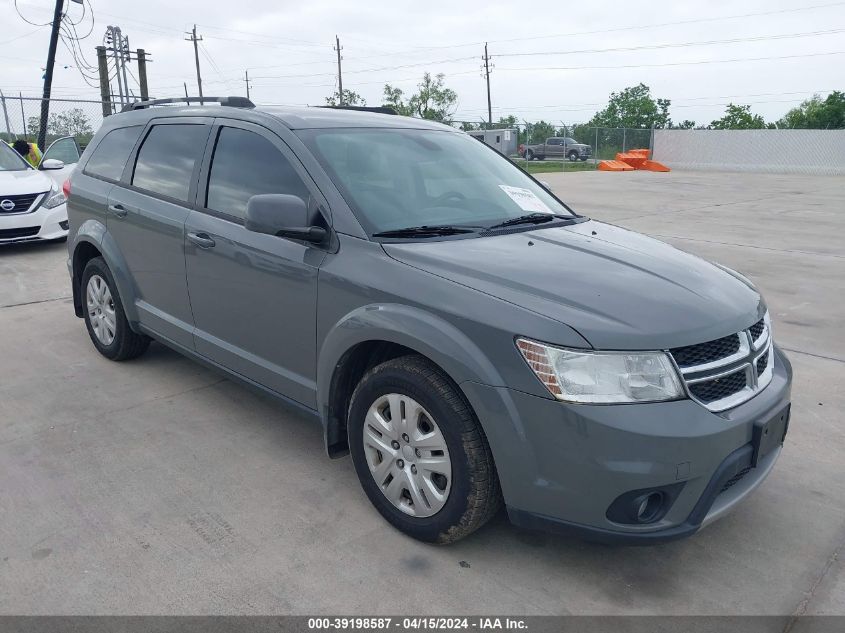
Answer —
725 372
18 204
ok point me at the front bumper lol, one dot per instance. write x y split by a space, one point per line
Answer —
38 225
561 466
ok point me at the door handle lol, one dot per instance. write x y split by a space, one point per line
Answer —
118 210
203 240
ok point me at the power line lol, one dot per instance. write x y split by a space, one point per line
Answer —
695 63
736 40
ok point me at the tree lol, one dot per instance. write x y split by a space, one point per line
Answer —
538 132
73 122
686 124
739 117
350 98
816 113
633 107
433 100
393 99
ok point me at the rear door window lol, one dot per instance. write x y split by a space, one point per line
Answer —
246 164
167 159
110 155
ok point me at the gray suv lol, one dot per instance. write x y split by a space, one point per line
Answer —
465 335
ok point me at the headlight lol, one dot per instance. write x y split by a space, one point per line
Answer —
602 377
55 197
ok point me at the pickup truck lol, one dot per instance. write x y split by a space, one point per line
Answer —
558 147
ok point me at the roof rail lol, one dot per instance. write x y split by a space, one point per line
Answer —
377 109
235 102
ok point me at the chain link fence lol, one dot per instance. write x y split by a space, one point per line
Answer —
20 118
604 144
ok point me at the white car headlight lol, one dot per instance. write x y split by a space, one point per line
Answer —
602 377
55 197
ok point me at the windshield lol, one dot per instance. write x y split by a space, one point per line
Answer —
398 178
10 160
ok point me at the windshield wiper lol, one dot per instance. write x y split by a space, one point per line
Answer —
425 231
530 218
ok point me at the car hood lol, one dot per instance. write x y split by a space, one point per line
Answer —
13 183
619 289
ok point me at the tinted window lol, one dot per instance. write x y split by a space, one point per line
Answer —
167 158
110 156
65 150
246 164
553 141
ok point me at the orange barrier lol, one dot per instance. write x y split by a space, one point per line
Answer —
634 160
653 165
614 165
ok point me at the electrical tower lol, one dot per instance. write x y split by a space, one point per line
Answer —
118 45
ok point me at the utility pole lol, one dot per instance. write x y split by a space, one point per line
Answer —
487 77
123 45
105 92
246 79
193 38
113 37
142 74
339 71
48 74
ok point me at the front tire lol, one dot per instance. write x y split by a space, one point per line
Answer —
420 453
573 156
104 316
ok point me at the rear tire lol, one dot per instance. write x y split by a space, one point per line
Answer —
383 436
104 316
529 155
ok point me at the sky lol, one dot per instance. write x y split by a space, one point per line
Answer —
552 60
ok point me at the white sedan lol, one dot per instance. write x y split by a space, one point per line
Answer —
32 203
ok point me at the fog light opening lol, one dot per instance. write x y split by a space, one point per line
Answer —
647 507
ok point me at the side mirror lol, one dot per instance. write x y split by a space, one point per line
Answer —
282 215
52 163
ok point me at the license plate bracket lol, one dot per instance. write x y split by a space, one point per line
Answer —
769 434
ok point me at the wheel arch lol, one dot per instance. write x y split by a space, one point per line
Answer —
93 240
374 334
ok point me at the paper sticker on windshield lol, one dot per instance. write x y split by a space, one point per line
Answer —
526 199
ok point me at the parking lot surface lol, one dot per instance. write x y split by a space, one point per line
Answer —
156 486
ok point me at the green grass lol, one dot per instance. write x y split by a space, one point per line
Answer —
553 166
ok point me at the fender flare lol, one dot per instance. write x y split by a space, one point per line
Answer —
419 330
95 233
